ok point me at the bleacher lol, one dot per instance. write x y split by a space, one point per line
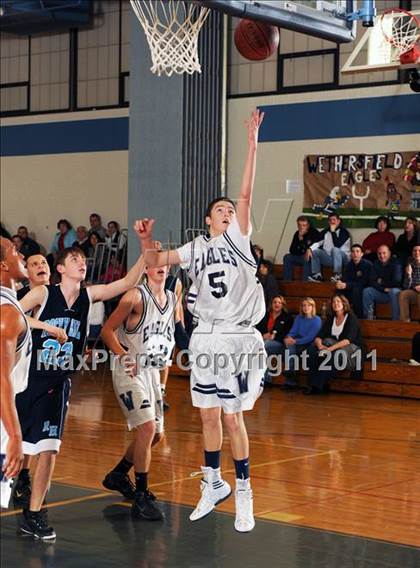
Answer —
390 339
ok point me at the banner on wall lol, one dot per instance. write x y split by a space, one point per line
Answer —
362 186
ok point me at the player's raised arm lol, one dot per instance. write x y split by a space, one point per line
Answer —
10 329
243 207
152 256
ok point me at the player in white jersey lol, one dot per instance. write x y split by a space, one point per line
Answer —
227 352
141 332
15 350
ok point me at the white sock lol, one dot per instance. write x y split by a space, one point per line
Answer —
243 484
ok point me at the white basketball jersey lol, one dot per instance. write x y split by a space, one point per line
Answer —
24 344
225 289
154 335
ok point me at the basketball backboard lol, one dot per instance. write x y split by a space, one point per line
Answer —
374 53
327 20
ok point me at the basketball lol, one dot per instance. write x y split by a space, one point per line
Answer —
256 41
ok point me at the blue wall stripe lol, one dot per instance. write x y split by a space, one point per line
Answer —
375 116
95 135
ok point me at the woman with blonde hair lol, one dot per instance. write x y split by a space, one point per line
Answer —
339 340
274 327
304 330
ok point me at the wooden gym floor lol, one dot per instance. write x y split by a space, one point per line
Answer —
345 465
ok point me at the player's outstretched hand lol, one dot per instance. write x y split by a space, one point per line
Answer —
144 228
253 125
58 333
14 458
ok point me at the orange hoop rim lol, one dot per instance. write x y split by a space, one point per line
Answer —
390 39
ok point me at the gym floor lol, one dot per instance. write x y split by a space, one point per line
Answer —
335 481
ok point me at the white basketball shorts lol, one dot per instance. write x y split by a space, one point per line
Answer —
139 397
227 368
5 484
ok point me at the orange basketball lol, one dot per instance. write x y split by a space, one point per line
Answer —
256 41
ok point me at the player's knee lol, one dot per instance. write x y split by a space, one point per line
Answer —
232 422
210 416
147 430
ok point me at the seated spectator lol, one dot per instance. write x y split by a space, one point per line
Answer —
385 284
30 246
340 332
333 249
114 235
274 328
407 240
268 281
18 242
258 254
304 330
38 274
96 225
82 241
100 257
411 285
382 236
356 277
64 238
415 351
303 238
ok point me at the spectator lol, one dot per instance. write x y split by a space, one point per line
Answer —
18 242
405 242
96 225
415 351
115 270
30 246
94 239
268 281
411 285
274 328
114 235
333 249
258 254
4 232
38 274
356 277
303 238
82 241
64 238
385 284
382 236
340 332
304 330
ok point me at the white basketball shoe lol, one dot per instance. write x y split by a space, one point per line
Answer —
214 490
244 520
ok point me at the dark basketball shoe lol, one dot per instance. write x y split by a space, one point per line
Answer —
22 491
145 507
118 481
36 524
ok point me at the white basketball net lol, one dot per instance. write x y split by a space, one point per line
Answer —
172 29
404 31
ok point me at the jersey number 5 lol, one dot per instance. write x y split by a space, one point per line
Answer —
220 288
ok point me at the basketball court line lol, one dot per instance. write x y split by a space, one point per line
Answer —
62 503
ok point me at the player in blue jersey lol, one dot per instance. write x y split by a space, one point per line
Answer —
43 406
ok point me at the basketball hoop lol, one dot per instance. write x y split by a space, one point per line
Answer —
402 30
172 29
